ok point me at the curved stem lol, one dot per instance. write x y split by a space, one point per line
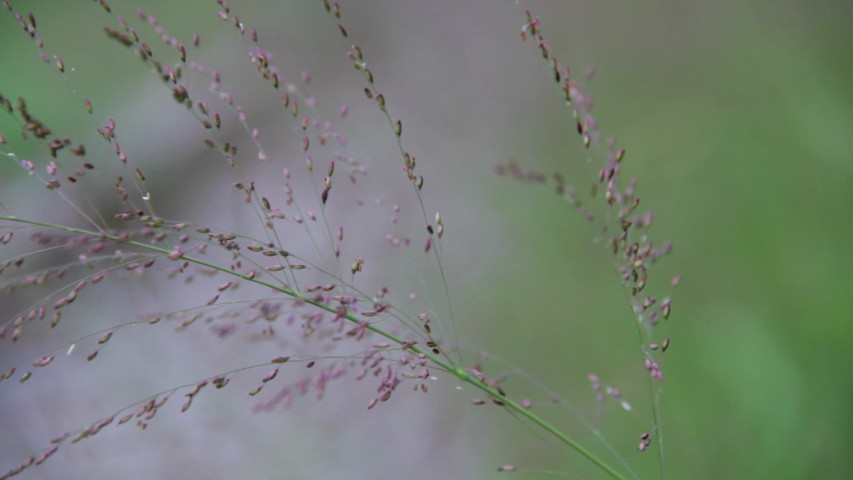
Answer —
436 360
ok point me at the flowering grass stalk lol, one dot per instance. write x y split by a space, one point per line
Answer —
319 273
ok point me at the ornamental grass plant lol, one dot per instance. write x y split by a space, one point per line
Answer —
270 256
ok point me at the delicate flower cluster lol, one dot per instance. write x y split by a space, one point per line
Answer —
294 276
620 219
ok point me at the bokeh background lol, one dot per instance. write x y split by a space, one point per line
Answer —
737 119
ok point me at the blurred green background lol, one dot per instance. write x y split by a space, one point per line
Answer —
737 119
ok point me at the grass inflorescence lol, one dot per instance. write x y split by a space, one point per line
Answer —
318 229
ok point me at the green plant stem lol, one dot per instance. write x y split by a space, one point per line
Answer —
444 365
